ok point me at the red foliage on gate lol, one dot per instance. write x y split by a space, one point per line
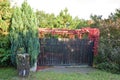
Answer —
93 34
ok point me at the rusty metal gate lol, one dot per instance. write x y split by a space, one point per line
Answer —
64 51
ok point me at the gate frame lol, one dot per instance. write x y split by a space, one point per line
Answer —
93 34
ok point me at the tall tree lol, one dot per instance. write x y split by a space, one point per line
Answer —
45 19
24 33
5 16
96 20
64 19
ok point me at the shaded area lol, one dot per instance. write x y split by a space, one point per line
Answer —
64 51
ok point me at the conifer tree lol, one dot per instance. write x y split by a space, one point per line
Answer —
24 33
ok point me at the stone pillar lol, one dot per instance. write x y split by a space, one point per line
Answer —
23 64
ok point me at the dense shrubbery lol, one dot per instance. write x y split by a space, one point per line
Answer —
5 16
109 48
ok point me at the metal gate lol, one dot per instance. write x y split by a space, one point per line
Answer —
64 51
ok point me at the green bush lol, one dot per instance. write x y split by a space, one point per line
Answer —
108 57
5 16
110 67
4 50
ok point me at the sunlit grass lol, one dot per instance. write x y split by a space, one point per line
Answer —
11 74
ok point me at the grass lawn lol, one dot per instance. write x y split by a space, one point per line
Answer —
11 74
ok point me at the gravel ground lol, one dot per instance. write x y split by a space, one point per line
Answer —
69 69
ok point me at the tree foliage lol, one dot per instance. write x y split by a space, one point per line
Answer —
62 20
109 49
45 20
5 16
24 33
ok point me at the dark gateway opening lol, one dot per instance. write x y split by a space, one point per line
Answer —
65 51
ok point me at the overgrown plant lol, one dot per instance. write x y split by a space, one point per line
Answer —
24 33
109 49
